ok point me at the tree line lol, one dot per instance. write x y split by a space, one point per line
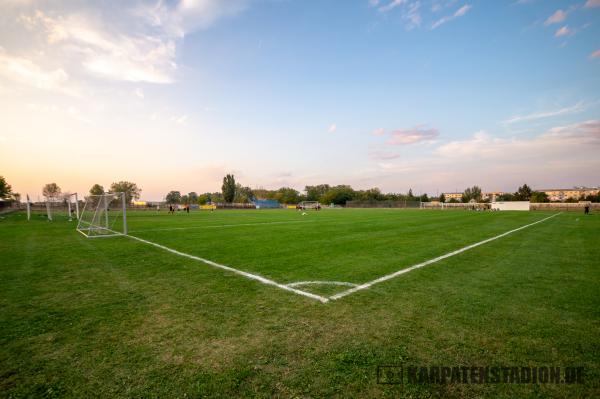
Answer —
523 193
232 191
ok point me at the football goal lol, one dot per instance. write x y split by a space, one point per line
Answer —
310 205
103 215
60 205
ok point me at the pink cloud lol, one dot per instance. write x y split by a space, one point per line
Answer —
592 3
458 13
595 54
412 136
557 17
382 155
378 132
564 31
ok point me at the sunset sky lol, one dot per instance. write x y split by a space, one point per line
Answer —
431 95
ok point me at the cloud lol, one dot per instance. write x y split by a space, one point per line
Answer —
569 140
383 155
556 18
458 13
25 71
412 15
391 5
410 11
564 31
547 114
595 54
116 56
180 120
332 128
592 3
137 44
412 136
378 132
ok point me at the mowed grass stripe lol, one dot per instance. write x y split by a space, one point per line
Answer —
354 246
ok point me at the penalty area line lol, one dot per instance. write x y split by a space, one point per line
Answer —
236 271
430 261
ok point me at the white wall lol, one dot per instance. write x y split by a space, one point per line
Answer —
511 205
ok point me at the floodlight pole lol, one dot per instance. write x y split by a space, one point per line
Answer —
124 215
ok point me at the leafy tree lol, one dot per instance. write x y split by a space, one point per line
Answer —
243 195
593 198
372 194
539 196
193 197
338 195
315 193
97 190
51 190
131 190
204 199
185 199
442 198
523 193
288 195
262 193
17 197
424 198
505 197
472 193
216 197
410 196
228 188
5 188
173 197
453 201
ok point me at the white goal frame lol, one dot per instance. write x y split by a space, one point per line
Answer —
68 199
309 204
100 215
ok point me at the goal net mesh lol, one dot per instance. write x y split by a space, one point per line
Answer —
309 204
102 216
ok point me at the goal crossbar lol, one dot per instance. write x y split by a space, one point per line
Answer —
104 215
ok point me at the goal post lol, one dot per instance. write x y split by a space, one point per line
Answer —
70 209
103 215
310 204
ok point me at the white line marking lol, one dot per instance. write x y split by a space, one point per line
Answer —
236 271
434 260
301 283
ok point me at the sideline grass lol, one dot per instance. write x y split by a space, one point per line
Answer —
90 318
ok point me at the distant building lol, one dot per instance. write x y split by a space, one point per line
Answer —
563 194
456 196
492 195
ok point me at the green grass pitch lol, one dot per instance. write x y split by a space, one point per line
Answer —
115 317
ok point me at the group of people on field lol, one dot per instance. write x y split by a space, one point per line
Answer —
300 207
172 209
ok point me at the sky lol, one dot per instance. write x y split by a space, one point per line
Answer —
433 95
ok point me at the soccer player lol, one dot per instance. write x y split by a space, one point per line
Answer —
586 209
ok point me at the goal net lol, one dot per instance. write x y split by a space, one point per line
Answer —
103 215
62 205
309 204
